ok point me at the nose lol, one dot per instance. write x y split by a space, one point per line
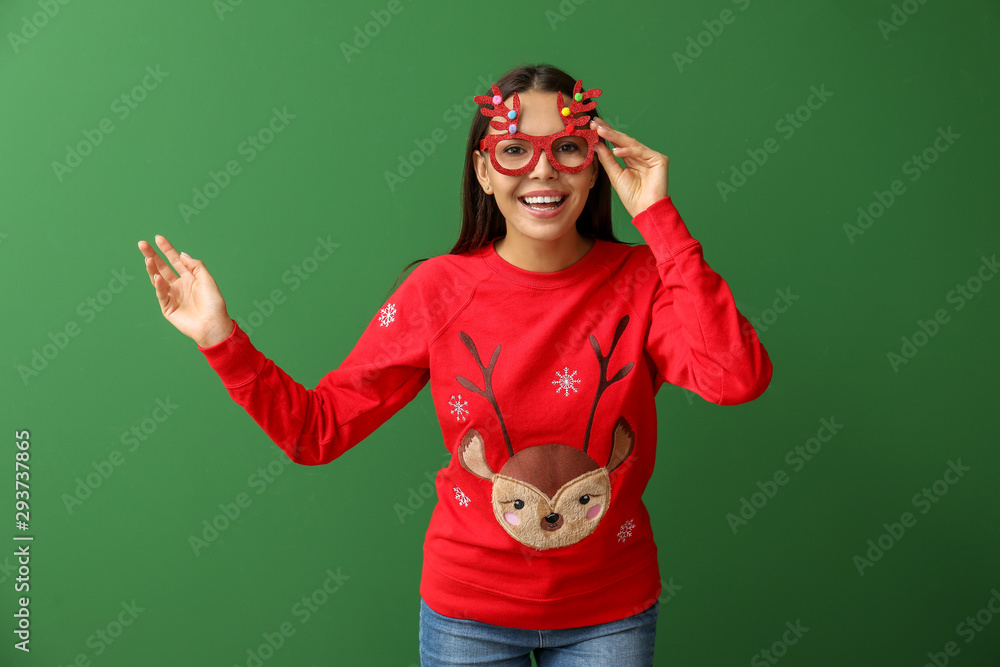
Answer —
552 518
543 168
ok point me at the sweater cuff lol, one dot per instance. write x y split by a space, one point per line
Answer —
235 359
661 227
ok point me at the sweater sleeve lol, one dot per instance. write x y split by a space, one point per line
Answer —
386 369
697 338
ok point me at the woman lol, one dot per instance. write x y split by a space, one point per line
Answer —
545 341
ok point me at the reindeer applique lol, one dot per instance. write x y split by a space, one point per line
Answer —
548 496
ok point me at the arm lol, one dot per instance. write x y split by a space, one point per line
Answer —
315 426
697 338
387 368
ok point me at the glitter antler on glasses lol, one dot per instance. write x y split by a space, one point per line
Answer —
567 115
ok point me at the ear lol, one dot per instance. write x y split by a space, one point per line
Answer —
622 444
472 455
482 170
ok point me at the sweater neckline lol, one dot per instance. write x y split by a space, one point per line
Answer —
580 268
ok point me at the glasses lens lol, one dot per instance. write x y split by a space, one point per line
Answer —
513 153
570 151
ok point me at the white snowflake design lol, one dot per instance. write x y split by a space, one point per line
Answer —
460 496
566 381
387 315
458 407
625 531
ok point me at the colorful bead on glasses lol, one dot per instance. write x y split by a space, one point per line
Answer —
576 106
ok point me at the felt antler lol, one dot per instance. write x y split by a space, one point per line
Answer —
487 383
500 109
604 382
577 105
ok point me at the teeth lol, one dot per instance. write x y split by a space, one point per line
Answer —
542 200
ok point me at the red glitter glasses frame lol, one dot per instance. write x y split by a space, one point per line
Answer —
539 144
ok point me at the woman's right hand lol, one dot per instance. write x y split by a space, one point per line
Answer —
190 300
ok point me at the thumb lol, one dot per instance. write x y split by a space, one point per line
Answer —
198 269
608 161
193 265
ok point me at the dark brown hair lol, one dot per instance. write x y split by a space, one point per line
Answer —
482 220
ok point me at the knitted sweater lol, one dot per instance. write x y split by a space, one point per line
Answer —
544 386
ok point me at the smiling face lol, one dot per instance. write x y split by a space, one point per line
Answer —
539 116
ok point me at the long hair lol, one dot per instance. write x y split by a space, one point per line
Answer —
482 220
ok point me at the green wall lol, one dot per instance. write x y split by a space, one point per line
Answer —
834 298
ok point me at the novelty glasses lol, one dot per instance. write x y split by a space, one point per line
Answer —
514 153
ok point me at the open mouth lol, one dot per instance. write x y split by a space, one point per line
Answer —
543 203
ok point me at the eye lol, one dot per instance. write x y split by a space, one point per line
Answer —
567 147
584 499
518 504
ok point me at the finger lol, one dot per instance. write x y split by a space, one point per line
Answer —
172 255
629 151
147 253
197 268
162 289
156 266
609 162
605 131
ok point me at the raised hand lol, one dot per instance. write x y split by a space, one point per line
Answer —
190 299
643 181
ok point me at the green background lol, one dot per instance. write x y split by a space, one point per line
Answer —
356 117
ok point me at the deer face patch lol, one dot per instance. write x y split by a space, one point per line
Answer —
548 496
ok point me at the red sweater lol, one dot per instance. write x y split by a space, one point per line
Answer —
544 386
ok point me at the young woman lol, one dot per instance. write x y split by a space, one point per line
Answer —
545 341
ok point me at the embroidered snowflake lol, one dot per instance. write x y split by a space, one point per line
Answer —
459 409
387 315
625 531
462 499
566 381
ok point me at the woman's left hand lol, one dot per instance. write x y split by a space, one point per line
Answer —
643 181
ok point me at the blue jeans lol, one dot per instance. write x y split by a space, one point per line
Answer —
453 641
